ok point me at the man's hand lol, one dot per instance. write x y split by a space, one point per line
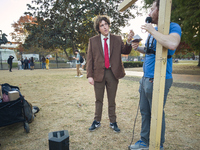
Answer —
135 45
130 36
91 80
148 27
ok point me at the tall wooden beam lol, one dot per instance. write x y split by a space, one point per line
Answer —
125 4
159 77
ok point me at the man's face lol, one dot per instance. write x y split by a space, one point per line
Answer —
104 28
154 13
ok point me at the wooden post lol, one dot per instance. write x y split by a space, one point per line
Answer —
125 4
159 77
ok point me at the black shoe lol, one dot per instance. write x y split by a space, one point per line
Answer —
114 127
94 125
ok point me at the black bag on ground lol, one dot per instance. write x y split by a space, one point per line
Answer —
27 107
29 115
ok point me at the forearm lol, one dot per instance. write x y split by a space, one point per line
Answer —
170 41
89 68
89 65
141 49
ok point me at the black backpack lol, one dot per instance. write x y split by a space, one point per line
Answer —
81 59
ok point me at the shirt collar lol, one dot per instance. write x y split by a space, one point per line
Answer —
102 36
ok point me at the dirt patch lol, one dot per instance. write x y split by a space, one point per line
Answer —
67 103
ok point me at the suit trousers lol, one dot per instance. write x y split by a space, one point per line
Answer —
146 92
111 84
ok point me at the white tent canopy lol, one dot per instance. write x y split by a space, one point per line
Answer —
5 53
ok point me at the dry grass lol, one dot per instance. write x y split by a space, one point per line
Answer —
182 67
67 103
186 67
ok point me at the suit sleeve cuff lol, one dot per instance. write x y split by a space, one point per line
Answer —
128 43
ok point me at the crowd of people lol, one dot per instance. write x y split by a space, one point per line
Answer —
25 64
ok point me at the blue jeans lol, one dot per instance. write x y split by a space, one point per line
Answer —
43 65
146 91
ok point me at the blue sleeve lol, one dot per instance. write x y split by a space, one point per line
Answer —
175 28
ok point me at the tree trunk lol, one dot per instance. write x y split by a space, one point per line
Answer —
66 53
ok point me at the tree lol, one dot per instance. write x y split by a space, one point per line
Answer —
187 15
20 33
65 24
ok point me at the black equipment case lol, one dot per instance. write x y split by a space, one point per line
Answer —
13 111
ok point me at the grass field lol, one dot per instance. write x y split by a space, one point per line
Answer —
67 103
186 67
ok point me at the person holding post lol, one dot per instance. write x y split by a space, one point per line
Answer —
105 68
171 42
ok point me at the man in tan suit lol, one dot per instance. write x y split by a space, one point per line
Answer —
105 67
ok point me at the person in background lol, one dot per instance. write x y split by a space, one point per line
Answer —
29 62
83 64
26 63
10 61
43 62
22 61
19 64
105 68
32 63
47 63
171 42
78 64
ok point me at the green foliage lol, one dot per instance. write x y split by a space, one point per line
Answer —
68 24
187 15
134 53
182 55
132 64
14 65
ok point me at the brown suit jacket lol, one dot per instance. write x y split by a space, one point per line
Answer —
95 57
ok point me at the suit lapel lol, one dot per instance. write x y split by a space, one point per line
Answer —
111 44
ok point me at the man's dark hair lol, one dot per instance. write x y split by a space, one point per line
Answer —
98 20
76 50
157 3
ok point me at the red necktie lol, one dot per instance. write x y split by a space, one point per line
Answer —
106 57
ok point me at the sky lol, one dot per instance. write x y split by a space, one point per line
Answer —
12 10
